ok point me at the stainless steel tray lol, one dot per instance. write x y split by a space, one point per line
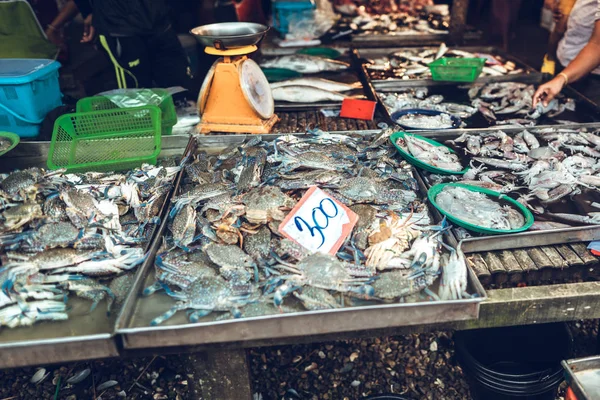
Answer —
134 322
84 335
350 75
531 74
524 239
583 376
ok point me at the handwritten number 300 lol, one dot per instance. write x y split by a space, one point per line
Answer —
318 213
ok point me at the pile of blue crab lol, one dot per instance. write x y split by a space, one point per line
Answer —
66 235
223 253
552 171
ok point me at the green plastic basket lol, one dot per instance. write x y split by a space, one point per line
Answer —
14 141
456 69
436 189
418 163
111 140
167 107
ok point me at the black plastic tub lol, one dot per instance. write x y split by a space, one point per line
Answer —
521 362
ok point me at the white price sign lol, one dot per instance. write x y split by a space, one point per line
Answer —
319 222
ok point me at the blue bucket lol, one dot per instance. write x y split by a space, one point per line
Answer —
29 89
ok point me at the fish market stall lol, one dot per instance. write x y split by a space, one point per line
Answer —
75 237
485 105
277 288
408 66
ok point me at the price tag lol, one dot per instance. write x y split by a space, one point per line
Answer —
319 222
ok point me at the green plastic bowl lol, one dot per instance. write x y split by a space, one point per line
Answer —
280 74
13 137
325 52
435 190
456 69
418 163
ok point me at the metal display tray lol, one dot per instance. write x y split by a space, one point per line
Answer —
583 376
351 75
134 322
84 335
363 53
524 239
586 110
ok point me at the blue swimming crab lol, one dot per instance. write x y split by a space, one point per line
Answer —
19 215
234 265
313 298
265 204
42 310
209 294
180 268
325 272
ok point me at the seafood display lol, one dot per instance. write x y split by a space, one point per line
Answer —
551 171
422 121
437 156
482 105
413 63
502 98
419 98
223 253
304 63
392 18
479 209
74 235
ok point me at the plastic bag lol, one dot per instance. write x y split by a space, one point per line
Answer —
309 24
127 98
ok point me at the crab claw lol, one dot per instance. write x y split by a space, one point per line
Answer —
283 291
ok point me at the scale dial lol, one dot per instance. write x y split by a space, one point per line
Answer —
256 88
205 88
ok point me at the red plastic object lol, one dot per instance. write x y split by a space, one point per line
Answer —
358 109
570 395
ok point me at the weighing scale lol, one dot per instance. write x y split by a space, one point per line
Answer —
235 96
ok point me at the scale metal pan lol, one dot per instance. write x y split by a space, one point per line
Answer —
230 35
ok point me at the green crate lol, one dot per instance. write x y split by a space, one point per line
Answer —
456 69
110 140
169 115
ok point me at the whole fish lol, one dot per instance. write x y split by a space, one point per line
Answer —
319 83
305 94
304 63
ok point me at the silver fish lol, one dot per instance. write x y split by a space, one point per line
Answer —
319 83
304 63
305 94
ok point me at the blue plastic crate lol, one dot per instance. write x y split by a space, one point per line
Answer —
29 89
282 10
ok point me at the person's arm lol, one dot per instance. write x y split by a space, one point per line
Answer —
68 12
85 7
585 62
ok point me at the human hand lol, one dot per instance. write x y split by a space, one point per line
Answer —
88 30
549 90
